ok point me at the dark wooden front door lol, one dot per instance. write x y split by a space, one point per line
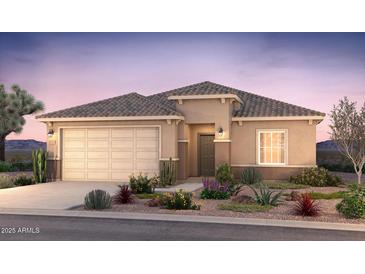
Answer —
206 155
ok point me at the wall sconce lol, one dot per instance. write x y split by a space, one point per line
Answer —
220 132
50 133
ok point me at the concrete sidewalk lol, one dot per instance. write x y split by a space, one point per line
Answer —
186 218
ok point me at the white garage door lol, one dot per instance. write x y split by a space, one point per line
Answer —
109 154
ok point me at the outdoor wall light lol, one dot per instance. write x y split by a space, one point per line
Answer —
220 132
50 133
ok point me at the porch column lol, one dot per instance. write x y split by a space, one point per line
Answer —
183 160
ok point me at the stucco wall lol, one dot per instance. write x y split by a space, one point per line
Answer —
169 146
301 141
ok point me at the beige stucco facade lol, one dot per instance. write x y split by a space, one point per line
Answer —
236 145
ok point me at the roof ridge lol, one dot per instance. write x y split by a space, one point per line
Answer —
159 105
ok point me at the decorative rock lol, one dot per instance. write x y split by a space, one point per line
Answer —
294 196
155 202
243 199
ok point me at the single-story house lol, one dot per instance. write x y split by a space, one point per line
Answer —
199 126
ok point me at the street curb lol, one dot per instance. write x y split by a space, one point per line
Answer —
185 218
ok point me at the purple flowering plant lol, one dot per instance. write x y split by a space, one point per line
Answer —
214 190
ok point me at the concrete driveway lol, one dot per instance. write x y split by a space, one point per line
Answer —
55 195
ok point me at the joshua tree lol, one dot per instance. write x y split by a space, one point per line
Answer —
13 106
348 131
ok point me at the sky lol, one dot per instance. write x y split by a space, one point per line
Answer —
313 70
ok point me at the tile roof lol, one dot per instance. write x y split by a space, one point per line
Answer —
131 104
134 104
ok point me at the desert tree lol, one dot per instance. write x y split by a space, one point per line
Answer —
348 132
14 105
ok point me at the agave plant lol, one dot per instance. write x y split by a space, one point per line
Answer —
98 199
265 196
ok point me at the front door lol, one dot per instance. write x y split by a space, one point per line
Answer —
206 155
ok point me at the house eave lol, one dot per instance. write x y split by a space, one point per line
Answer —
120 118
278 118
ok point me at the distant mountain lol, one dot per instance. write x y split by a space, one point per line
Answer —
29 144
328 145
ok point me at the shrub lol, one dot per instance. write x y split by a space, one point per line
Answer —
6 167
39 160
6 182
123 195
244 208
144 196
306 206
22 166
250 176
224 174
315 177
141 184
179 200
98 199
265 196
352 206
167 173
23 180
214 190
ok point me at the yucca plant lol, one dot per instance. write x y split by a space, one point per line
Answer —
167 173
265 196
39 160
251 176
123 196
306 206
98 199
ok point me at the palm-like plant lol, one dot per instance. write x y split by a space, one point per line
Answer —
13 106
265 196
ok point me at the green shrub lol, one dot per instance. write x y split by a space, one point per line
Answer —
244 208
352 206
214 194
250 176
6 181
39 160
144 196
265 196
98 199
179 200
315 177
23 180
142 184
22 166
6 167
224 174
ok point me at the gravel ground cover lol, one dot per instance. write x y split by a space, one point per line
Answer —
211 208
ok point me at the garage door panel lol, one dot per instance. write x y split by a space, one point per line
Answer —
74 143
122 155
98 133
123 165
122 143
92 144
146 166
74 133
74 165
74 155
146 132
120 175
98 155
74 175
110 153
122 133
99 175
150 155
98 165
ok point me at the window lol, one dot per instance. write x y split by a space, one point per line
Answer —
272 147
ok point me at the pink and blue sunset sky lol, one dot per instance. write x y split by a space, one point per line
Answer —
313 70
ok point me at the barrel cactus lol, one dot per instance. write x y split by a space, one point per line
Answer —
39 160
98 199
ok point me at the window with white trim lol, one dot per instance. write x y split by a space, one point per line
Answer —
272 147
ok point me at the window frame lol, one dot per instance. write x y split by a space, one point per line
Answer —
258 146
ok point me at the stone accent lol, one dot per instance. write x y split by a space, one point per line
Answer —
271 173
54 170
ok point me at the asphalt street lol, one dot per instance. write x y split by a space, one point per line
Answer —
43 228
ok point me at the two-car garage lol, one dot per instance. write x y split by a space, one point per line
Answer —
109 154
